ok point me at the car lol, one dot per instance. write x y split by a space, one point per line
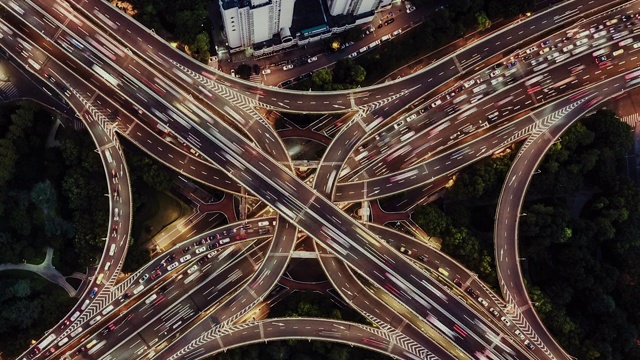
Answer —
404 250
458 282
390 21
536 62
602 59
203 260
459 89
49 77
266 71
49 352
626 17
527 57
287 67
596 28
498 66
192 269
65 323
200 250
144 277
211 254
93 292
211 246
81 349
611 22
511 64
423 258
240 237
353 55
544 50
172 266
519 334
263 231
287 83
472 292
505 320
200 242
398 124
410 9
155 275
528 344
483 302
530 50
469 83
545 43
617 52
256 69
170 258
411 117
109 328
125 296
185 258
494 312
436 103
494 73
312 59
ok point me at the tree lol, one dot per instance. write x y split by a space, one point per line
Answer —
8 158
43 195
483 21
431 219
244 71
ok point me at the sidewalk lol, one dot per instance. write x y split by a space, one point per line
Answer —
46 270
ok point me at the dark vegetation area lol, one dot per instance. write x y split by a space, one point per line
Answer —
49 196
580 237
344 75
305 304
185 21
29 305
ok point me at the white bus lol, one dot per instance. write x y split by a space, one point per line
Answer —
105 75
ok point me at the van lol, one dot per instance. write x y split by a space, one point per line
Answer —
63 341
138 289
79 330
99 281
107 310
112 250
151 298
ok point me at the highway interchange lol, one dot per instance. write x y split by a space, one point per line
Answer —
122 78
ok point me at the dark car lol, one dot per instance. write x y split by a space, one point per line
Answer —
287 83
65 323
256 69
472 292
125 296
185 250
81 350
458 282
93 292
389 21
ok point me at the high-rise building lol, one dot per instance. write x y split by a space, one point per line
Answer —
354 7
247 22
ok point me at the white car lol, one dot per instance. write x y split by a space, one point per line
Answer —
312 59
469 83
530 50
494 73
266 71
200 250
483 302
505 321
436 103
411 117
519 334
192 269
185 258
287 67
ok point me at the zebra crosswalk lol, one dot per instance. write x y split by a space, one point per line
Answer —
8 91
632 119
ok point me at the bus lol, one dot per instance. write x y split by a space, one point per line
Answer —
48 340
105 75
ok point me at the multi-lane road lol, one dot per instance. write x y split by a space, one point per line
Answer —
404 134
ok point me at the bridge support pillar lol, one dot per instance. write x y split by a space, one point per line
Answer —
243 203
365 211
